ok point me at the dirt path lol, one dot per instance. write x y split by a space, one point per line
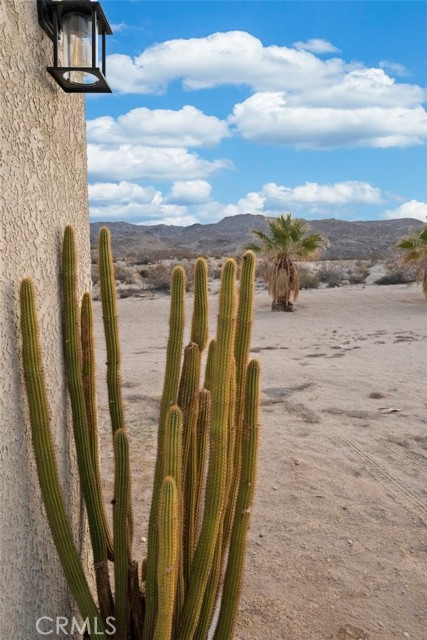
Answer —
338 543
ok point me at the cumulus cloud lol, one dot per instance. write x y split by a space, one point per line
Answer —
187 127
131 201
299 98
270 118
189 192
410 209
311 193
316 45
130 162
190 201
122 192
233 57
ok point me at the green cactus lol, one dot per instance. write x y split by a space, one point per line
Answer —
121 533
89 388
169 397
47 469
205 465
217 471
111 333
209 374
234 573
200 319
111 330
167 564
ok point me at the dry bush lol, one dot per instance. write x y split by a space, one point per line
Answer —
397 273
359 275
331 274
308 279
158 277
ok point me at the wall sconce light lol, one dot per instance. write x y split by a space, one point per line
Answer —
75 26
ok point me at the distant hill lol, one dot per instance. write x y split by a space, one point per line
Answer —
347 240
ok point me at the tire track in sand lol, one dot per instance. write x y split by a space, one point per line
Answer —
394 484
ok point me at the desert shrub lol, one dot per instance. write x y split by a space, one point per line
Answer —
359 275
308 279
331 274
397 273
397 276
158 277
121 272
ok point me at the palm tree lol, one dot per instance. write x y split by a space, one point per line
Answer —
415 246
286 243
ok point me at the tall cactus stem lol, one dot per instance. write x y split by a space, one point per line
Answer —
188 401
210 373
74 366
111 331
241 353
172 466
121 534
89 388
203 426
217 471
169 397
235 564
200 319
47 469
167 565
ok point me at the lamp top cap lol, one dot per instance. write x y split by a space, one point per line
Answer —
81 6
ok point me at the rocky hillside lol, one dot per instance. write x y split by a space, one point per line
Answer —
347 240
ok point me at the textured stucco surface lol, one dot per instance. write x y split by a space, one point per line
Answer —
43 187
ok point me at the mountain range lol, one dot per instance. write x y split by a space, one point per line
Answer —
346 240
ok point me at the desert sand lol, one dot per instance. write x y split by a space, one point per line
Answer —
338 540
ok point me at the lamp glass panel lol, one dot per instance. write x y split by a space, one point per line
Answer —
77 47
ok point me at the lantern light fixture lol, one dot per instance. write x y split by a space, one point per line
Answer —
75 27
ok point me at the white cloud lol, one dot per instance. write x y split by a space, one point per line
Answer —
122 192
130 162
316 45
394 67
233 57
181 221
268 118
189 192
410 209
311 193
189 201
188 127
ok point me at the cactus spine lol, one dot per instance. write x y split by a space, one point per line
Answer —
205 465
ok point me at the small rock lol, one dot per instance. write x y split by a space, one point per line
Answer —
350 542
274 488
406 634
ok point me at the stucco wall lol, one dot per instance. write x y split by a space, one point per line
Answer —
43 187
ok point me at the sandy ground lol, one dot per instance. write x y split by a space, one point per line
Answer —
338 541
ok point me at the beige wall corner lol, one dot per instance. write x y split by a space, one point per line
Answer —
43 187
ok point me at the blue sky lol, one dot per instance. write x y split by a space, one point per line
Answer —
220 108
